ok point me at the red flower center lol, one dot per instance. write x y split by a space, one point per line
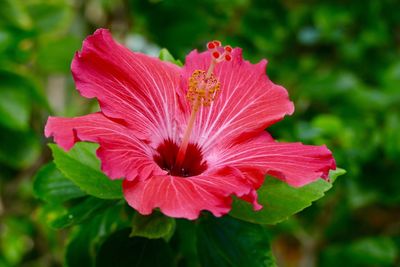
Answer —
193 164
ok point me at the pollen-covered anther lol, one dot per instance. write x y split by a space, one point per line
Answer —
202 88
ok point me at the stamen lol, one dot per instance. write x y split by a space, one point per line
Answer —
202 90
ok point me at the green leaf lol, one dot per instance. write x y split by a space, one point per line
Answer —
15 239
18 149
13 13
187 242
52 186
165 55
82 167
334 174
15 105
88 237
374 251
81 212
55 56
153 226
50 16
79 250
229 242
122 251
370 251
24 82
279 200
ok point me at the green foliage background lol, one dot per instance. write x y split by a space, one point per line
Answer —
339 60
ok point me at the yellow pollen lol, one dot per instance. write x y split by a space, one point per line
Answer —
202 89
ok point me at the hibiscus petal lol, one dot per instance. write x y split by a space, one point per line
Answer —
247 103
121 153
136 88
294 163
185 197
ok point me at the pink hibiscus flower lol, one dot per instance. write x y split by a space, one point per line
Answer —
185 139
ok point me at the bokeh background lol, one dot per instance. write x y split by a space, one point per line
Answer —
339 60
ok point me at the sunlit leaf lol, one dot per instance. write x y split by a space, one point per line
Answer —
165 55
279 200
55 56
15 239
14 12
82 167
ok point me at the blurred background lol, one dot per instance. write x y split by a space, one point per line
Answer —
339 60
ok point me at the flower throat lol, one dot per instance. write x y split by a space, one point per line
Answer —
202 89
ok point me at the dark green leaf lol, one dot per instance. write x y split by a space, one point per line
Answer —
85 242
82 167
52 186
153 226
230 242
25 82
15 106
187 242
79 251
78 213
18 149
279 200
122 251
